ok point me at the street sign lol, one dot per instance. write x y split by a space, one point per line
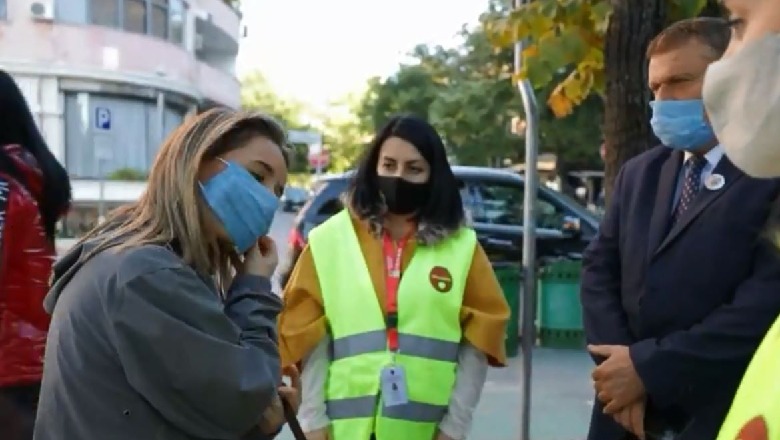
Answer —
102 118
303 137
319 160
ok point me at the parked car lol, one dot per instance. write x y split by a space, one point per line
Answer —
493 202
293 198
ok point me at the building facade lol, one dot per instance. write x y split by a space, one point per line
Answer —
108 80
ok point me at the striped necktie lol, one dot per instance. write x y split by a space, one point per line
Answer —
691 185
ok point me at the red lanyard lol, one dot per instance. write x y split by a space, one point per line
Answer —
392 256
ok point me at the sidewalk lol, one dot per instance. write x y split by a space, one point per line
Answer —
561 399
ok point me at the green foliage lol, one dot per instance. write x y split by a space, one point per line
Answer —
130 174
566 36
257 94
467 94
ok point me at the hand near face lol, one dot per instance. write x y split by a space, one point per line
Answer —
616 381
261 259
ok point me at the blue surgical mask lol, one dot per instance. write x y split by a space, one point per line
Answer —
681 125
245 207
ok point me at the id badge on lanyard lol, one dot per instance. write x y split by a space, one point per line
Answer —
393 376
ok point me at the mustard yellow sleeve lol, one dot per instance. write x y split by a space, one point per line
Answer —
485 312
302 322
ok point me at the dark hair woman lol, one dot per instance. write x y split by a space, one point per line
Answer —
34 194
394 298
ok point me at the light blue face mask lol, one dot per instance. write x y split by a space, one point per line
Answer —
245 207
681 124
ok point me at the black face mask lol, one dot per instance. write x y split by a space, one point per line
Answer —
402 196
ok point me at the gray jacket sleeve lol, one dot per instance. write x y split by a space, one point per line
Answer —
210 368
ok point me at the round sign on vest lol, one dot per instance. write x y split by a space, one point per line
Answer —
441 279
755 429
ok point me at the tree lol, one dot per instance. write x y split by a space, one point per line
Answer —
466 93
345 134
600 44
257 94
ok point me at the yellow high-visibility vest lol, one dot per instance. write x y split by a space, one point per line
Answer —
755 412
430 296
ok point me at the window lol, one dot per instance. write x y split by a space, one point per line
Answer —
135 16
3 6
331 207
501 203
128 139
159 18
177 11
105 12
74 11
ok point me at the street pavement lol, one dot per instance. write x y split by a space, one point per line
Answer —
561 387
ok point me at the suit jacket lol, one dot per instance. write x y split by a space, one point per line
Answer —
692 301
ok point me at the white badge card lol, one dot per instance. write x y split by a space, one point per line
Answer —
393 382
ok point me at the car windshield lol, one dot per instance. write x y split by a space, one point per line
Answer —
294 192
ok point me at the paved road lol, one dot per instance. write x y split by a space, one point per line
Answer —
561 397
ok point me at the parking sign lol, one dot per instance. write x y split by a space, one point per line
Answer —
102 118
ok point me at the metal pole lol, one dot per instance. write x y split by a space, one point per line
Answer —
529 237
102 195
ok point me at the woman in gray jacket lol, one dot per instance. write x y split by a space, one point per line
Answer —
163 320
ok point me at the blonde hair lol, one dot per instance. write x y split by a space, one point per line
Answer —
171 209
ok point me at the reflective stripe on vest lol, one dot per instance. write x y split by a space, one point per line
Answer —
428 325
411 345
755 412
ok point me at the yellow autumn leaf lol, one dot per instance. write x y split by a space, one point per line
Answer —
573 88
560 105
530 51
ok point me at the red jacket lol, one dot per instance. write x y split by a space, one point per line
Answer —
26 258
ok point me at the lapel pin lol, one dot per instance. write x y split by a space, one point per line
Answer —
714 182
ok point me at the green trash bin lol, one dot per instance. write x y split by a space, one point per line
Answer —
559 307
509 276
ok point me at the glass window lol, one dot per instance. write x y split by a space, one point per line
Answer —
92 150
135 16
178 11
3 6
501 203
74 11
105 12
160 18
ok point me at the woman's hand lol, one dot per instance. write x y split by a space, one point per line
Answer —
292 393
273 416
261 259
442 436
320 434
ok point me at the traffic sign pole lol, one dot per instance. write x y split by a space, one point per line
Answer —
529 236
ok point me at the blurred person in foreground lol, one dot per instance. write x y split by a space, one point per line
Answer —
742 91
742 96
679 286
393 308
163 320
34 195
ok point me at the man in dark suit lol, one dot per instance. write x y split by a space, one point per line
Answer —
679 286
